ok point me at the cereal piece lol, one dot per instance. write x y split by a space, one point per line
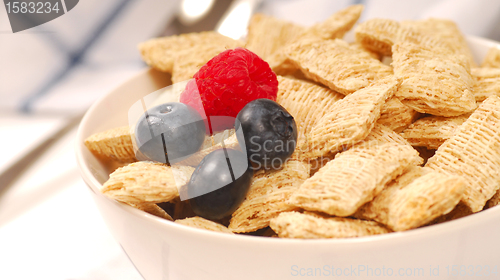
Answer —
445 31
313 226
486 82
299 97
142 182
435 81
336 25
358 46
152 209
492 59
397 116
199 222
256 214
113 144
378 35
300 148
318 163
431 132
336 65
267 34
280 63
230 142
353 178
381 134
160 53
332 28
350 119
378 208
473 152
414 199
266 181
267 196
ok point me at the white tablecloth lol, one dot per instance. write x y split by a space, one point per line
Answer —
49 226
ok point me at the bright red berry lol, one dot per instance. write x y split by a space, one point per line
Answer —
228 82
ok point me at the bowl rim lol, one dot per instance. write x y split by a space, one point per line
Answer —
425 232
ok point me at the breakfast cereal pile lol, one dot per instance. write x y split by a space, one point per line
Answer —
395 131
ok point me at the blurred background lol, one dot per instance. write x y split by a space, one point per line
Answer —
51 74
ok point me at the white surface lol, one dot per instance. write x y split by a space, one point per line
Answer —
20 133
50 228
75 93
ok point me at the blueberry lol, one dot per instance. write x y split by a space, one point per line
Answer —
170 132
219 184
269 133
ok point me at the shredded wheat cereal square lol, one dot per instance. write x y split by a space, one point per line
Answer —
381 134
446 31
146 182
332 28
397 116
351 119
378 35
492 59
336 25
435 81
314 226
267 35
336 65
306 101
160 53
414 199
353 178
358 46
267 196
113 144
431 132
473 152
486 82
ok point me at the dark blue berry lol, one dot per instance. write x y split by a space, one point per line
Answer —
269 133
170 132
219 184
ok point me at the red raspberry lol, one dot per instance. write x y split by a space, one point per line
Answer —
228 82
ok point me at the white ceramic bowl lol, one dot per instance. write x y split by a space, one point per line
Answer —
467 247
